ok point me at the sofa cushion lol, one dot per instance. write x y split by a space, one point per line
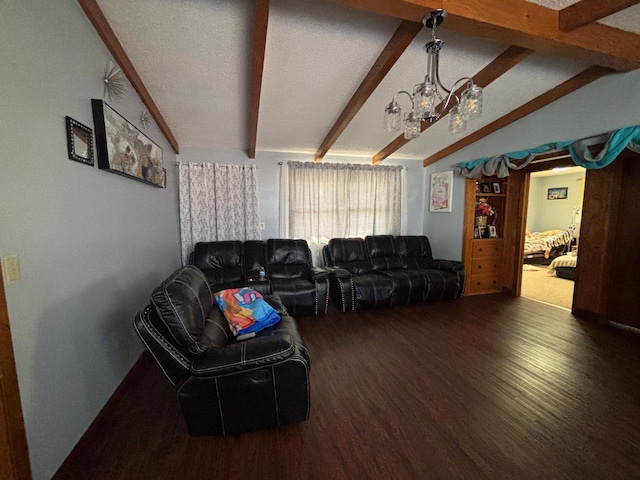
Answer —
350 254
221 262
287 258
383 252
183 302
372 290
415 251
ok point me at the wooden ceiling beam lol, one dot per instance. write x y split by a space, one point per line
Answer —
518 22
589 11
574 83
108 36
502 63
401 39
260 23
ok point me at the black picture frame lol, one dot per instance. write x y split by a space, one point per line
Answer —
123 149
486 188
496 187
79 142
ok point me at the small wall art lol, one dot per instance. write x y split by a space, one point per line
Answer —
125 150
79 142
441 192
557 193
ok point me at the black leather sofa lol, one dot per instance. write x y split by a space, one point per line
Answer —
289 272
383 271
224 386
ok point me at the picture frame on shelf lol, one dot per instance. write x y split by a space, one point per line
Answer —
496 187
79 142
123 149
486 188
441 192
493 231
476 232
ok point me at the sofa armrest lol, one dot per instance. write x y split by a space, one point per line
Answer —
449 265
316 273
257 352
338 272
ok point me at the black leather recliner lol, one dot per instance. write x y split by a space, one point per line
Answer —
224 386
303 288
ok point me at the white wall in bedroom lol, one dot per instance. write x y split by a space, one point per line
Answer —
544 214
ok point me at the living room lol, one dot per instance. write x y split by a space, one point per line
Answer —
93 245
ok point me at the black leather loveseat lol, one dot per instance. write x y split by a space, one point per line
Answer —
287 264
224 386
383 271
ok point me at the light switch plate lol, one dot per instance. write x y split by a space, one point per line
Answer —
12 268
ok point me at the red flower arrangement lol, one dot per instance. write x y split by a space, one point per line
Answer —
485 209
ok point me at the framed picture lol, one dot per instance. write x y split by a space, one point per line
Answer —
441 192
79 142
493 232
486 188
496 188
125 150
557 193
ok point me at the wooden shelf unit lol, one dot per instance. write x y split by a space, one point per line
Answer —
483 257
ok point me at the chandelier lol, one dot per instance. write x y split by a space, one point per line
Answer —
426 94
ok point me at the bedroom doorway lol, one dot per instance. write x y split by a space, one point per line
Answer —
553 217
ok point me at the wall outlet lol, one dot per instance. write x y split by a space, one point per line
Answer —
261 225
12 268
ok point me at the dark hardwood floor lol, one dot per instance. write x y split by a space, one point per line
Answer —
488 387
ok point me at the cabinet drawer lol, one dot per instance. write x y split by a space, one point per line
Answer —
486 248
484 283
486 265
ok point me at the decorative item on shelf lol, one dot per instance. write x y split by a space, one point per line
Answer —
485 212
467 106
145 119
114 81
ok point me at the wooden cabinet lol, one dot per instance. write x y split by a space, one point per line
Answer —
483 246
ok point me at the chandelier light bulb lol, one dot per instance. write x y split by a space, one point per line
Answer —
457 121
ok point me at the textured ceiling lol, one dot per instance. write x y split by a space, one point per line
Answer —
194 57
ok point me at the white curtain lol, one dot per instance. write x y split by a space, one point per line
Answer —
320 201
217 202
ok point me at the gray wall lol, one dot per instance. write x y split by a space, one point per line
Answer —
92 244
544 214
269 181
599 107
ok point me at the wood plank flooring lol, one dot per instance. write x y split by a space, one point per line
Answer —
487 387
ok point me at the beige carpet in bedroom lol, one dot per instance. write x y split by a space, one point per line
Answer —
538 285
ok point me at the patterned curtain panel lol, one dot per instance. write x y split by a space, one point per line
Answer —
320 201
217 202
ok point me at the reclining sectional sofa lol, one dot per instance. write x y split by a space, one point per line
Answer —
286 263
383 271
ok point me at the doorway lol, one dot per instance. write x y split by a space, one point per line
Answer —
553 217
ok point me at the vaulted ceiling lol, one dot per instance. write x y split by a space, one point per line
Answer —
314 76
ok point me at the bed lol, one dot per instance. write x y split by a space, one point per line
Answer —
564 266
549 243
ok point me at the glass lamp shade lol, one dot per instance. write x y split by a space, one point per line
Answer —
428 102
457 121
411 126
472 102
392 117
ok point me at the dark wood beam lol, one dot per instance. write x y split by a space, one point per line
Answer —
100 23
574 83
502 63
260 23
518 22
401 39
589 11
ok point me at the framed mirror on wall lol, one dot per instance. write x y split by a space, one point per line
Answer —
79 142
